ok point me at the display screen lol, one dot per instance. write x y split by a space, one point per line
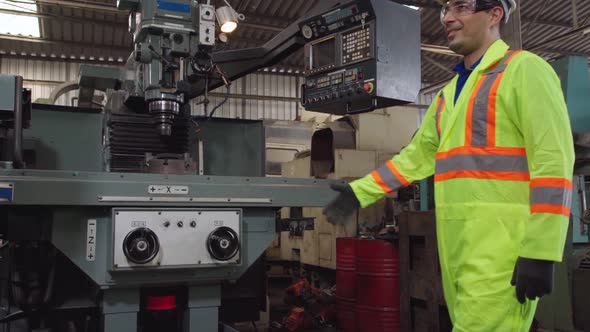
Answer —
323 53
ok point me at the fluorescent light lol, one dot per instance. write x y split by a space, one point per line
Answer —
18 24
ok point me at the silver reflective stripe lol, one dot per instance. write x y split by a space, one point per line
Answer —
439 110
479 120
388 177
551 195
475 162
501 66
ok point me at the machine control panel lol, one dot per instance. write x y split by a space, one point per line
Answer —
356 45
175 238
328 23
355 62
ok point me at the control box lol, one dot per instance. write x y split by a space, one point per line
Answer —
361 56
175 238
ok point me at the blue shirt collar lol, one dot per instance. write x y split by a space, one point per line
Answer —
462 70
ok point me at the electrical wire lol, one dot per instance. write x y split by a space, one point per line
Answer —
227 83
222 102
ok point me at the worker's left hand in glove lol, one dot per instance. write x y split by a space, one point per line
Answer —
343 206
532 278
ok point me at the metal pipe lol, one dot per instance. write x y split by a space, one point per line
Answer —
17 157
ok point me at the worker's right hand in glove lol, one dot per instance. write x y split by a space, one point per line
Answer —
343 206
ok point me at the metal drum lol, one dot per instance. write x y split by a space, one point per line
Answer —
346 283
377 288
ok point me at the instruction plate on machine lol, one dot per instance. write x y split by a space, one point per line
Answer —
91 240
167 190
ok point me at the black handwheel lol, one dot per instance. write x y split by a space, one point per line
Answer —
141 245
223 243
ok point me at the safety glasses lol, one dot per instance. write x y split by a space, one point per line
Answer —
459 8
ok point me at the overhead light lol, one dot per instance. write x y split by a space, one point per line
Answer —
228 18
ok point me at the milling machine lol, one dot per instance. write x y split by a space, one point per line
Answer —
139 216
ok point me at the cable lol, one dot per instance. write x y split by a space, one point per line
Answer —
221 103
227 83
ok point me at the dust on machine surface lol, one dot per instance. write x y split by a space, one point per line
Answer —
137 216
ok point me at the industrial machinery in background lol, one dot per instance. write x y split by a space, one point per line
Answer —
139 216
567 308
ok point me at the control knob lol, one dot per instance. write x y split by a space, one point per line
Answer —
307 32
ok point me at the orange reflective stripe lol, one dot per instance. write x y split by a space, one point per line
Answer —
380 182
504 151
492 111
549 208
483 175
397 174
480 126
515 53
469 118
552 182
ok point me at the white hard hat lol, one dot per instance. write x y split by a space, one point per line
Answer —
509 7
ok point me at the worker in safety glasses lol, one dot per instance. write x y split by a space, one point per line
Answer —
498 140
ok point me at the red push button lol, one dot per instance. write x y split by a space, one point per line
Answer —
369 87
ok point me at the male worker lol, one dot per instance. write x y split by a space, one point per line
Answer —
498 140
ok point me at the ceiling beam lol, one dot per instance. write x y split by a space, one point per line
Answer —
96 6
437 64
559 51
575 13
558 38
418 3
60 59
67 45
532 20
81 20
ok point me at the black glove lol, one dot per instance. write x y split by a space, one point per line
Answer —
533 278
343 206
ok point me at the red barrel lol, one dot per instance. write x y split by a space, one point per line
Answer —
377 286
346 315
345 283
345 268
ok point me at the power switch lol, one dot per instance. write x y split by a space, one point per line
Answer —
369 87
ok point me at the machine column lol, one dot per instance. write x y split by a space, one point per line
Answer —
203 308
119 310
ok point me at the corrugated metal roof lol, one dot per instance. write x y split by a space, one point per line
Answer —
95 30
